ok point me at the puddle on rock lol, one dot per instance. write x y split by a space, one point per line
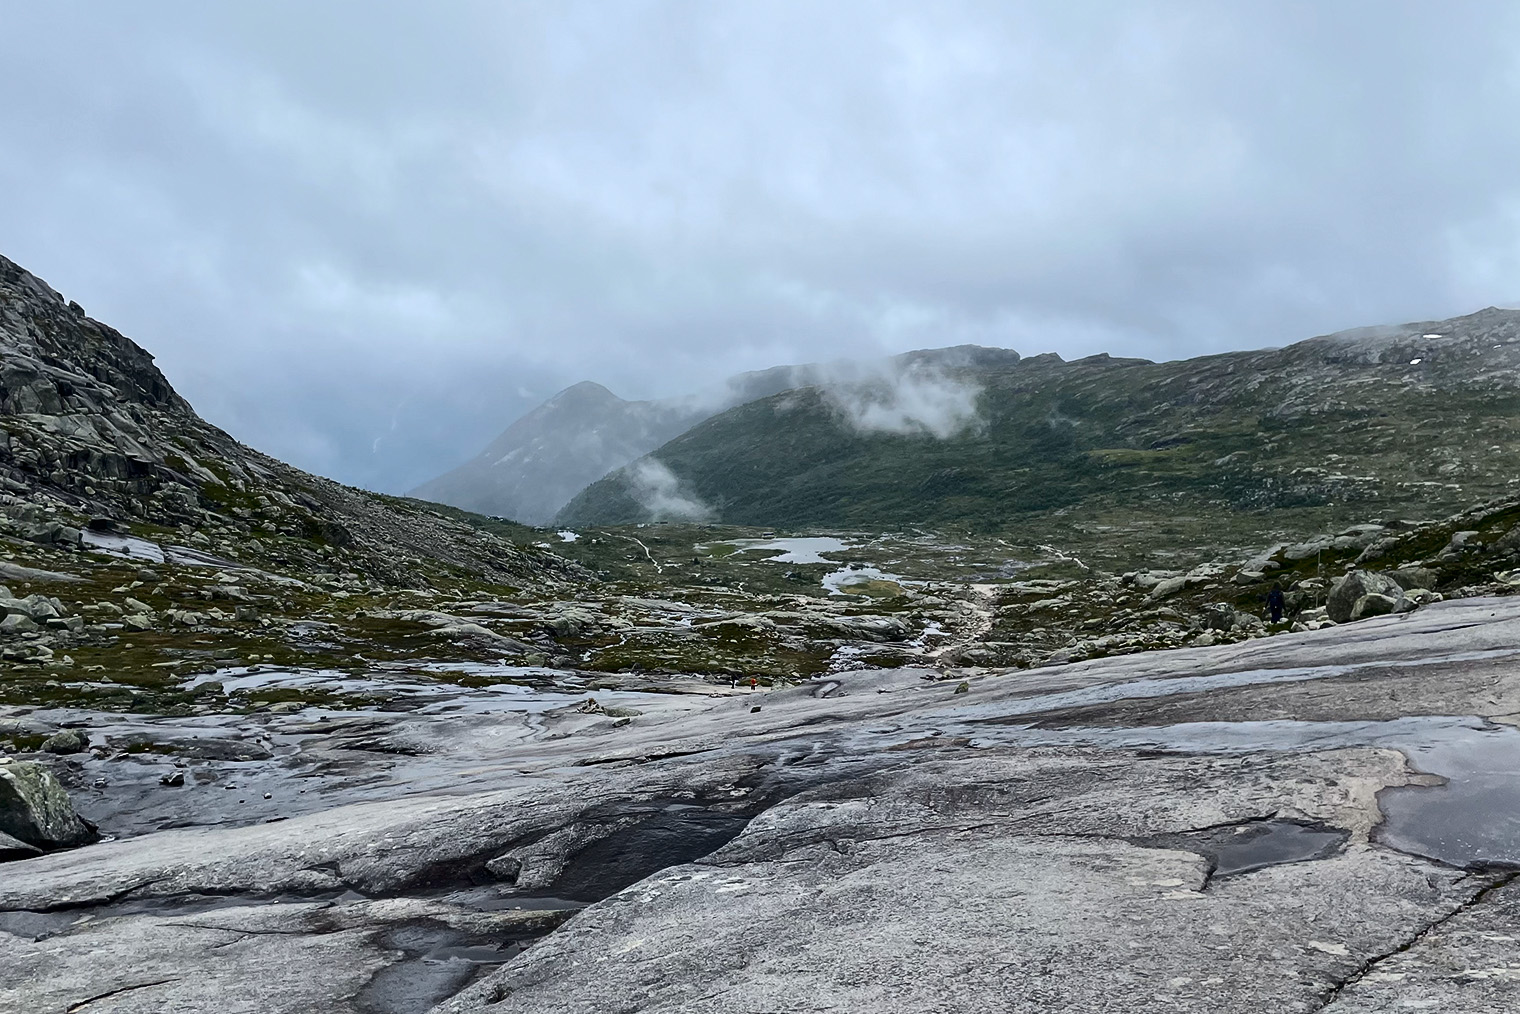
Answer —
670 837
1473 819
439 962
1254 845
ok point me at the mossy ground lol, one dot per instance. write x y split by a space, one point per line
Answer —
683 600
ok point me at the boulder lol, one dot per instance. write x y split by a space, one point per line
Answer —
1304 550
1374 605
40 607
1460 543
1409 578
1219 616
35 809
1348 592
1509 542
572 622
66 741
25 727
464 630
1165 589
51 534
1247 621
15 623
1145 580
1379 549
10 606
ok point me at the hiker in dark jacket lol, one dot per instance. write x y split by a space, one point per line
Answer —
1275 602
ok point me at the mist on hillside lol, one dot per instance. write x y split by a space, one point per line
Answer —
907 399
661 493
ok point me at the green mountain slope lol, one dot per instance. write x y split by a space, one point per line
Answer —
1389 421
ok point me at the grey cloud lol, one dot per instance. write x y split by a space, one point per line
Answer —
661 493
904 398
365 236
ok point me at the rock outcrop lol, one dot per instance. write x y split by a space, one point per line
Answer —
1124 835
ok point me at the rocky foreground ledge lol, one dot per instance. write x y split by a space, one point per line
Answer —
1324 821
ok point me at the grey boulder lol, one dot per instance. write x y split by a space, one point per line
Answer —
35 809
66 741
15 623
1364 593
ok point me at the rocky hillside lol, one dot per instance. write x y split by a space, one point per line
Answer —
1412 421
92 436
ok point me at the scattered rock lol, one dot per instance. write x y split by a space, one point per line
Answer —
1423 596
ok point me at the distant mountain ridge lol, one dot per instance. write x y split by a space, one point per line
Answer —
540 462
543 459
1404 420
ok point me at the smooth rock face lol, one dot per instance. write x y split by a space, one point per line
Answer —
36 809
1088 838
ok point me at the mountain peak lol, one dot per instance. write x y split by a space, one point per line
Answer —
585 392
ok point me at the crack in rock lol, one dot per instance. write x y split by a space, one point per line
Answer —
1366 967
81 1005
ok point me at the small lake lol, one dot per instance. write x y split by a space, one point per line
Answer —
801 550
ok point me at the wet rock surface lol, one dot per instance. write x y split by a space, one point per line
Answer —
1307 822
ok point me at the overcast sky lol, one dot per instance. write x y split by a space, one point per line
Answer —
366 236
